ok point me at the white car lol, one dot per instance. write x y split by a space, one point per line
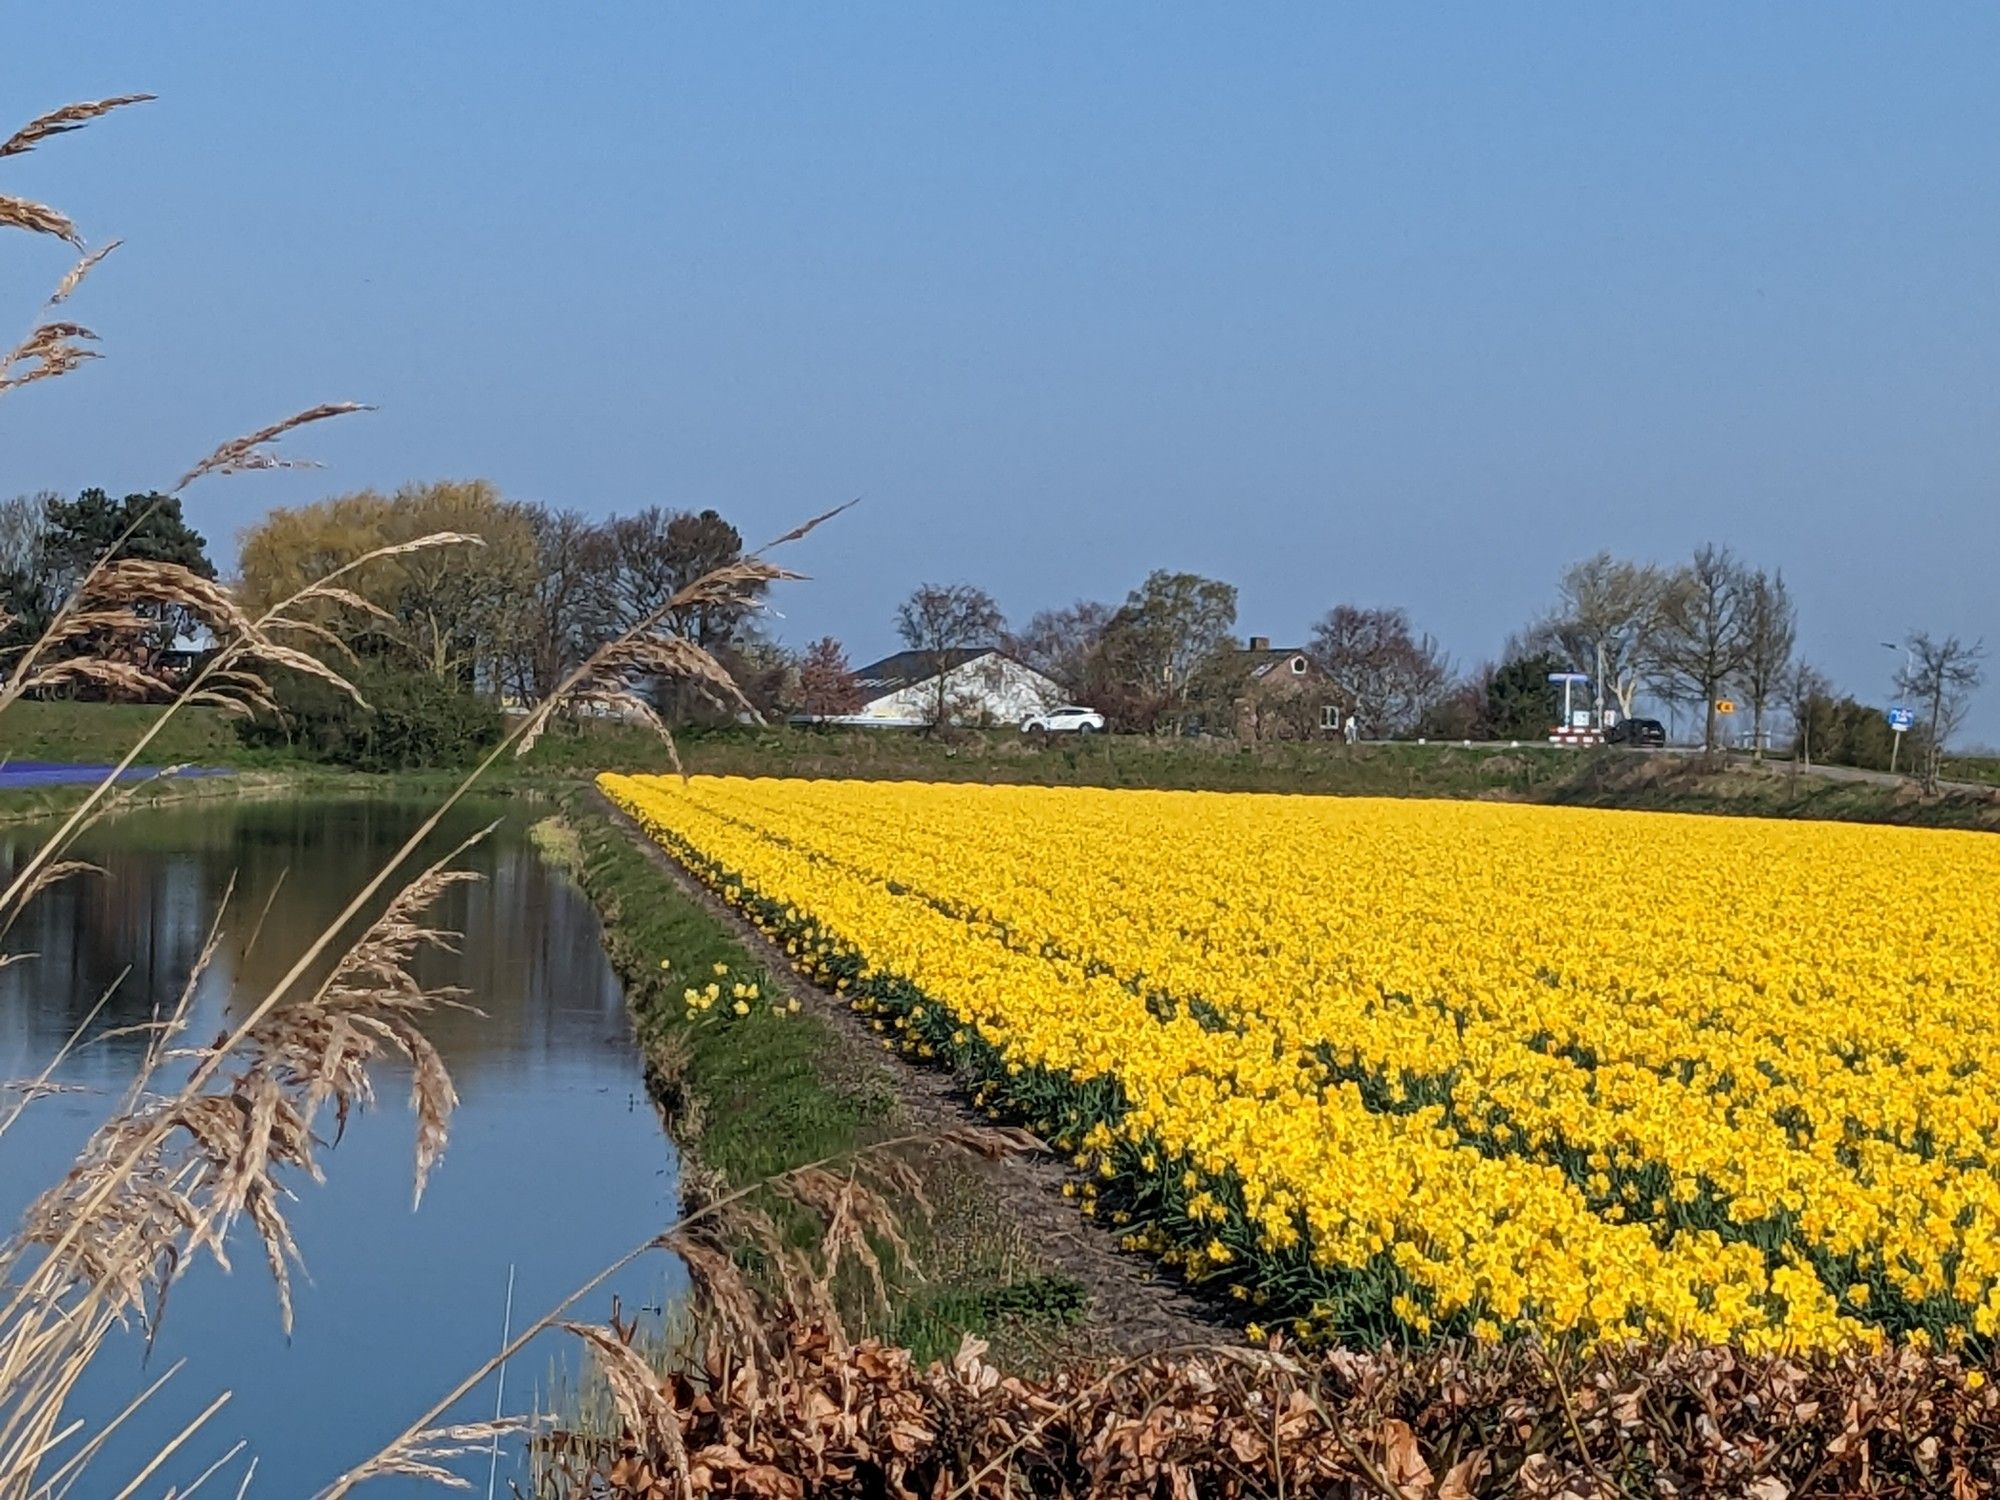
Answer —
1068 720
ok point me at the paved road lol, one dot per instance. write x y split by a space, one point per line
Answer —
1883 778
25 773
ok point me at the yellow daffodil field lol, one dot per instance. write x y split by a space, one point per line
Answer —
1412 1069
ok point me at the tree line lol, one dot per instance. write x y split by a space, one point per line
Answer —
1696 635
456 632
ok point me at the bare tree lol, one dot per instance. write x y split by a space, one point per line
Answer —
940 621
1381 669
1606 621
1701 641
566 613
1805 691
1941 675
826 683
1065 644
25 600
657 553
1770 631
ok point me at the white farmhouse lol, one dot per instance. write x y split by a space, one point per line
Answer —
981 686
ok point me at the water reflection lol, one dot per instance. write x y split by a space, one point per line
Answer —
556 1162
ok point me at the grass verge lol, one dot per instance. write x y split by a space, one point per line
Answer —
750 1095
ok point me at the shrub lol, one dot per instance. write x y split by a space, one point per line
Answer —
413 721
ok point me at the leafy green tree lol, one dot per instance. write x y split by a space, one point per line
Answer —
455 612
48 544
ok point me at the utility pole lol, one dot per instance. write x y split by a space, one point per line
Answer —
1597 683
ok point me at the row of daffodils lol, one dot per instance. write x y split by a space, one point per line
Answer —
1416 1068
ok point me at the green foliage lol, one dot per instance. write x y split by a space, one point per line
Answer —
1844 732
412 721
1520 699
48 543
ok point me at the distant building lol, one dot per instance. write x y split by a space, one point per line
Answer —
1283 695
981 686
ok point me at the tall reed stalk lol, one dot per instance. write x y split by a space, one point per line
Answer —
208 1137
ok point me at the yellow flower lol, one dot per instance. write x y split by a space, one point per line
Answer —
1580 1071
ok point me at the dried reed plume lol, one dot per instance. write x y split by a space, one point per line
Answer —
748 1314
50 350
169 1174
37 218
248 454
74 277
61 121
425 1454
173 1170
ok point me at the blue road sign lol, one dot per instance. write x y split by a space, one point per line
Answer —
1900 719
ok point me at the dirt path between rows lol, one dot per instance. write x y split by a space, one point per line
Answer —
1134 1308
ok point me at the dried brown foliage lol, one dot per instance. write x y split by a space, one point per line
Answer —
833 1420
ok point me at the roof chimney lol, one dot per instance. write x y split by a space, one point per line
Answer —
1260 643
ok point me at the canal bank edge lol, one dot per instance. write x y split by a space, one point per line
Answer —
1001 1256
40 804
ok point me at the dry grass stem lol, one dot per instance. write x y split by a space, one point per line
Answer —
649 1417
422 1455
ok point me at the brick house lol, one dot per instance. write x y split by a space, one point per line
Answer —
1282 695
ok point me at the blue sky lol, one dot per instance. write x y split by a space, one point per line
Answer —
1389 304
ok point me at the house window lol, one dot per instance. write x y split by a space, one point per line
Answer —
1329 716
1299 666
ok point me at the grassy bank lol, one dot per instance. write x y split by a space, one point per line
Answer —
751 1095
96 733
36 804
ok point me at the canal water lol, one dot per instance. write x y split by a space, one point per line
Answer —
556 1162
